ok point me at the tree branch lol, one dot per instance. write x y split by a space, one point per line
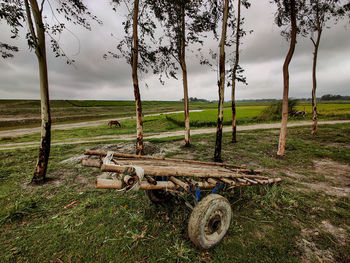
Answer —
30 23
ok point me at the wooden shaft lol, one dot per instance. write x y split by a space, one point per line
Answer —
129 180
212 181
117 184
163 185
228 181
150 179
91 162
133 156
190 172
179 182
204 184
108 184
250 181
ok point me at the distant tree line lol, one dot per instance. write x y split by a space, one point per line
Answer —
328 97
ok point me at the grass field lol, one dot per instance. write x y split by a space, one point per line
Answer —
306 218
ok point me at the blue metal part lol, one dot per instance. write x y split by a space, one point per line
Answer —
215 189
198 194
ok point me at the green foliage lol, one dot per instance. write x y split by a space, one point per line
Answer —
274 111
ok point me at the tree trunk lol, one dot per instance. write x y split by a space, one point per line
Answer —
314 82
283 132
233 99
40 51
184 77
221 86
135 53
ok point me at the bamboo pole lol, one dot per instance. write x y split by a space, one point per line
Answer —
117 184
250 181
165 185
228 181
181 164
179 182
190 172
108 184
212 181
133 156
91 162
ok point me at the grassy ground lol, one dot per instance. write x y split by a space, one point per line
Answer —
292 222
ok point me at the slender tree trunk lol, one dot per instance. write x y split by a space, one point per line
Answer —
233 99
184 77
314 81
283 132
40 51
221 86
135 54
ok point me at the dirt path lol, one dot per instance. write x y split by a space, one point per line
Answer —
26 131
130 137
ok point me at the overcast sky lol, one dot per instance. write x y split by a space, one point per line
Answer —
262 56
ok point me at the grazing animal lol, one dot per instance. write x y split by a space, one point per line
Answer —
116 123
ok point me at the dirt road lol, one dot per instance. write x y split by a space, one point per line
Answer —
68 126
130 137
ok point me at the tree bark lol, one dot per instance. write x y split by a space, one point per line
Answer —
135 53
314 81
221 86
233 99
283 132
184 77
40 51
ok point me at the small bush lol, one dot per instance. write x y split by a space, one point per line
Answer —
274 111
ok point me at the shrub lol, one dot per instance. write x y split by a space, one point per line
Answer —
274 111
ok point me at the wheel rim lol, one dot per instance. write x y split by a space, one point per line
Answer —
214 224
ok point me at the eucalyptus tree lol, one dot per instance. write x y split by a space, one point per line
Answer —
183 22
236 69
287 14
221 82
17 12
136 48
320 13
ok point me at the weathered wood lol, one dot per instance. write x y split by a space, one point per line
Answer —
175 171
182 164
133 156
212 181
91 162
228 181
203 185
117 184
108 184
150 179
250 181
179 182
166 185
130 180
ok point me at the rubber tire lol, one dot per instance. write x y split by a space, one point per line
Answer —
209 221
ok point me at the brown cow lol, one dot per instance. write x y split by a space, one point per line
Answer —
116 123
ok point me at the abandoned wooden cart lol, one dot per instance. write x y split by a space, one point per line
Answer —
162 178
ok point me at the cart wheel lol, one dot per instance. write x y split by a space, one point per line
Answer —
209 221
158 196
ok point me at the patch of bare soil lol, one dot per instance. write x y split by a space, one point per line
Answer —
338 175
307 243
130 148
